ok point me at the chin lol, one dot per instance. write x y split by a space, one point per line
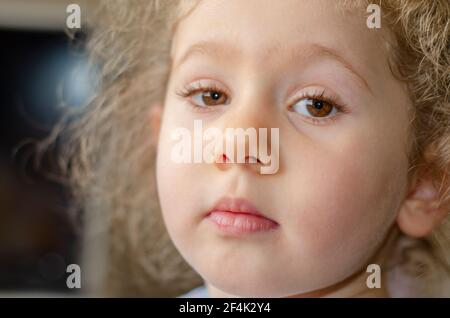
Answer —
253 285
242 282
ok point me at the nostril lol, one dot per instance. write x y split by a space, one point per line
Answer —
223 158
252 159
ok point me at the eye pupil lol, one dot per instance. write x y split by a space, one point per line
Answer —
318 104
215 95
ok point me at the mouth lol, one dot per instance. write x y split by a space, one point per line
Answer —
237 216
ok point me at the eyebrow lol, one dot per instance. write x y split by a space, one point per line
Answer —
226 51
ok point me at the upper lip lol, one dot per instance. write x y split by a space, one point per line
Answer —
237 205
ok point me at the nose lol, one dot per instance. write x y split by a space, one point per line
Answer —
247 138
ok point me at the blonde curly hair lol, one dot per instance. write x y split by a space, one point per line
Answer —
108 157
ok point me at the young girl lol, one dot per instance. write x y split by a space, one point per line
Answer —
363 115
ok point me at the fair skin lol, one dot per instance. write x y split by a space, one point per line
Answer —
342 184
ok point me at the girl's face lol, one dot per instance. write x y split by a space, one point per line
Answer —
321 76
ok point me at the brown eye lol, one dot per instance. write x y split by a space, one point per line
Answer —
319 108
209 98
313 107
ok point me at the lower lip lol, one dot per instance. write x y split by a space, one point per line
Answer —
241 223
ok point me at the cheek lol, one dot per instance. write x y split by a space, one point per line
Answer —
172 182
347 193
176 186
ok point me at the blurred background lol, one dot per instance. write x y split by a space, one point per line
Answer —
42 72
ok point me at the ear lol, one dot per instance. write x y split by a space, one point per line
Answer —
154 116
421 212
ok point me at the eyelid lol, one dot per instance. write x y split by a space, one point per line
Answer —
205 84
319 93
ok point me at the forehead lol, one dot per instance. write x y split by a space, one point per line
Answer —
257 30
267 20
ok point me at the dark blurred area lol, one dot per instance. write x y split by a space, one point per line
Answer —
40 74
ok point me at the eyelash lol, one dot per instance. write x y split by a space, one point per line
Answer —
321 95
190 90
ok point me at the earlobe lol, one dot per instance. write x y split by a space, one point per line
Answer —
421 211
154 116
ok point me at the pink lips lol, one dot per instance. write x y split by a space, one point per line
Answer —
238 216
